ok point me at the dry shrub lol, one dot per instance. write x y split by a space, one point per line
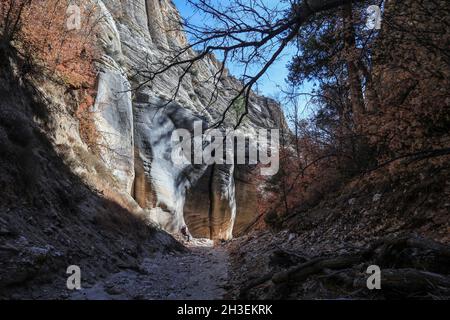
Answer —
405 135
38 30
411 69
65 54
303 179
88 130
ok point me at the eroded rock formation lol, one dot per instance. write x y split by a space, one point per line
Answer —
137 124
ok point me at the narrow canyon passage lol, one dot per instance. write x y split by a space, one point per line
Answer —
305 150
199 273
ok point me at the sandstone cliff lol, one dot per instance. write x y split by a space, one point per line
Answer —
64 202
136 125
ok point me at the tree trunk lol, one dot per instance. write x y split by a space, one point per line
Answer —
354 81
371 96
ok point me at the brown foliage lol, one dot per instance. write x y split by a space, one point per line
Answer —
411 70
408 130
41 35
38 30
303 179
88 130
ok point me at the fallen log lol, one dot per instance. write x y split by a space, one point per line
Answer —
304 270
410 281
407 281
254 283
410 242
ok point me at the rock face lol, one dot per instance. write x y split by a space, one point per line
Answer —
114 119
160 184
138 123
210 208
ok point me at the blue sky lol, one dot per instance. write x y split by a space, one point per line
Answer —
269 85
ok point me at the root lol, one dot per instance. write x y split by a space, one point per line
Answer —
414 279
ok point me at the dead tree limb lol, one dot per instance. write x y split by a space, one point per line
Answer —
304 270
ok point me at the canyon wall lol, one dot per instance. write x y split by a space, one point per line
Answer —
136 123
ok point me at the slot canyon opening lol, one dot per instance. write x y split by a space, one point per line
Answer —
208 213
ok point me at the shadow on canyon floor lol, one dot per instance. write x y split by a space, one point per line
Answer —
200 274
50 219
